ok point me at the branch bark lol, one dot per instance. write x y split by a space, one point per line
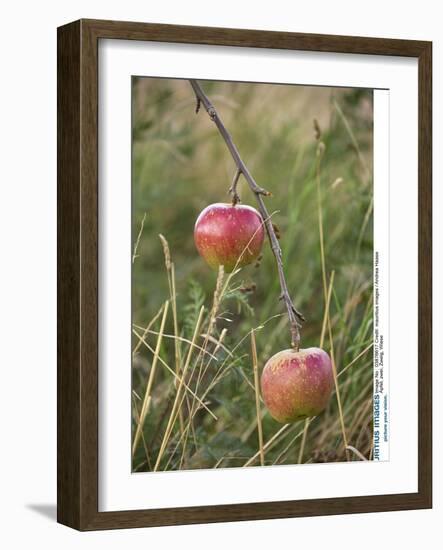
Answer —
295 317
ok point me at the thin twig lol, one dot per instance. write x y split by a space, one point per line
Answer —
295 317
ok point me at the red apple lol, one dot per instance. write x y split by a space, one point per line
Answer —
227 235
297 384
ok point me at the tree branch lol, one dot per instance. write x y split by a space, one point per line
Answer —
295 317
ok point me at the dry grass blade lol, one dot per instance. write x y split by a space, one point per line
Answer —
166 251
248 432
353 138
218 344
356 452
327 295
257 398
173 297
326 314
217 377
180 338
362 413
194 410
178 378
337 390
359 356
320 152
217 298
147 330
268 445
137 419
303 441
137 242
147 397
177 401
322 337
293 440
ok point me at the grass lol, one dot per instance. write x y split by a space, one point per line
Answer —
200 338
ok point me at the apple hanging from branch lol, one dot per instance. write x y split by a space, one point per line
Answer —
297 384
294 316
229 235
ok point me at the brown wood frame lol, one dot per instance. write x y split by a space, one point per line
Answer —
77 455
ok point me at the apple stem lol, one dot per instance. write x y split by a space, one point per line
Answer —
233 189
295 317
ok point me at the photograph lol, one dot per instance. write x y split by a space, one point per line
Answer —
252 274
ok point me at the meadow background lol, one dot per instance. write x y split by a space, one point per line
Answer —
320 177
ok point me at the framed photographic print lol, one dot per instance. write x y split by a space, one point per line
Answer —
244 274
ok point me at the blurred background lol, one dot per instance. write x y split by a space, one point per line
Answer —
180 165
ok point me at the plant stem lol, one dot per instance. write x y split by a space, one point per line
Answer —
327 296
233 189
178 396
295 317
257 398
147 397
322 339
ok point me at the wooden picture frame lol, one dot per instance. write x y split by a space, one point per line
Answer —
78 274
